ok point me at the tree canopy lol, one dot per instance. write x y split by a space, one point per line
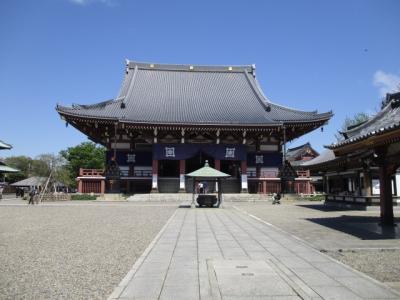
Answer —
22 163
349 122
64 167
86 155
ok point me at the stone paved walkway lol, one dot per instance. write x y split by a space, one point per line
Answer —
225 254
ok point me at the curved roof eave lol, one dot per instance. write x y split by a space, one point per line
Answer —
70 113
265 101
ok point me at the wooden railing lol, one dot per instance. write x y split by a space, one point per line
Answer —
143 173
264 174
275 174
362 200
303 173
91 172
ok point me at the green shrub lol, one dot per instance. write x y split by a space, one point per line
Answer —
83 197
315 198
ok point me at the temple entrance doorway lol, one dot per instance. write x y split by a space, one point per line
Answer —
231 167
232 184
169 168
198 161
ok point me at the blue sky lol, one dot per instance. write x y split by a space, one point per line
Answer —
326 55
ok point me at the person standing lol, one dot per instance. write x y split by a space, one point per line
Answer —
205 187
32 194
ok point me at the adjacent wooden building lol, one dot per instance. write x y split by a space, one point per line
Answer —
168 119
306 182
361 169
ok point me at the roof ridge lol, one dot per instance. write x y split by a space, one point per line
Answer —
130 87
190 67
259 94
94 105
314 112
373 118
298 147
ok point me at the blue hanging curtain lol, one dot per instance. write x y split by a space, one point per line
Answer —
264 159
126 157
185 151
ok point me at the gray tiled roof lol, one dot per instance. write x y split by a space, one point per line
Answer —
324 157
296 163
4 145
31 181
6 169
293 153
386 120
183 94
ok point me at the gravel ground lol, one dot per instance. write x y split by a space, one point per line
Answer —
72 252
381 264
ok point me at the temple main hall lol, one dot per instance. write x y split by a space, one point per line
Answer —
167 120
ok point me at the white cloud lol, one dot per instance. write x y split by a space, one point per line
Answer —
81 2
386 82
86 2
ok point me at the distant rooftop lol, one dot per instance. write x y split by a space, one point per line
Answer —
4 145
326 156
31 181
6 169
295 154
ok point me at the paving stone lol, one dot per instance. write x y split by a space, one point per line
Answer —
206 254
336 292
313 256
334 269
294 262
314 277
147 286
184 291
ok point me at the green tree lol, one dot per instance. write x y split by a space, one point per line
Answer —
348 122
22 163
86 155
44 164
40 167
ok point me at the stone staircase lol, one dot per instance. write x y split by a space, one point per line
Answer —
161 197
111 197
180 197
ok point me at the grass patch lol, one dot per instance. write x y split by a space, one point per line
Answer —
314 198
83 197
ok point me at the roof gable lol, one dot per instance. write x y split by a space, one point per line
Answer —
300 151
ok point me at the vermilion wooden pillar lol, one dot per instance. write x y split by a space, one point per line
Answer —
154 184
80 190
243 167
217 166
258 171
102 186
182 167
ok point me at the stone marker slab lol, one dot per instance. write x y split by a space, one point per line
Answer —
249 278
